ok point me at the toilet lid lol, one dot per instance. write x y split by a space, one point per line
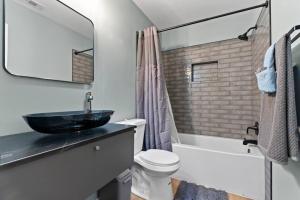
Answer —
159 157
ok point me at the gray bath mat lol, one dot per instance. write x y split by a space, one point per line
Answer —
190 191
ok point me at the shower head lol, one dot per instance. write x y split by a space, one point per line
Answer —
244 36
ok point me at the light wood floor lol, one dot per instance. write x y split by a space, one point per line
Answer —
175 185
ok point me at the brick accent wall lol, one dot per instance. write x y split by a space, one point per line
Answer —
82 68
211 88
260 44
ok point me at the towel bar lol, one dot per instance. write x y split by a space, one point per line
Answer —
292 31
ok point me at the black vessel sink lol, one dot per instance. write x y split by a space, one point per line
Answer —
67 122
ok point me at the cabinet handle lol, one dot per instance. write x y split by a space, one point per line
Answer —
97 148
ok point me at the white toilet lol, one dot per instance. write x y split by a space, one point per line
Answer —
152 169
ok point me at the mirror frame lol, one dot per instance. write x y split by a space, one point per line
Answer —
31 77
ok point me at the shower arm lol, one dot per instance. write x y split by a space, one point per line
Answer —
252 28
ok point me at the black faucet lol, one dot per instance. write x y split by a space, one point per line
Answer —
256 129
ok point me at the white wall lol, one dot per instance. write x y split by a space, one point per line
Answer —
285 15
114 87
44 49
286 179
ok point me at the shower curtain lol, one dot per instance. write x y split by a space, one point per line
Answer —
152 101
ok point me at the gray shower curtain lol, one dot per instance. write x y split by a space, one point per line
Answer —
152 98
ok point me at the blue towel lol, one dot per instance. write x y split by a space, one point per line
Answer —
266 79
269 61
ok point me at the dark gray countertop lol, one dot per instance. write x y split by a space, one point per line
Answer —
32 145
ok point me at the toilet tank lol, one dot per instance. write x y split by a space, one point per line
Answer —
139 132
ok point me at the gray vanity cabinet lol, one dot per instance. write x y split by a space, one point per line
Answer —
113 158
71 174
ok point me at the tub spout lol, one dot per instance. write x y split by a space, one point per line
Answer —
246 142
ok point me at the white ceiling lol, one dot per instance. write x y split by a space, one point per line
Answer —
166 13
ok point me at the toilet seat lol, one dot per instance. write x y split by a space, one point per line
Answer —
159 158
158 161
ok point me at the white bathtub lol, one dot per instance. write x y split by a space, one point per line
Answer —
221 163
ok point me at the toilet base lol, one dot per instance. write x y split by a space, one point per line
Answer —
150 187
160 188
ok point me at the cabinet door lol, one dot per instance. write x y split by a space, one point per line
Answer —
66 175
113 156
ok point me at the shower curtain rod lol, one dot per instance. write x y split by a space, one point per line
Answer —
83 51
266 4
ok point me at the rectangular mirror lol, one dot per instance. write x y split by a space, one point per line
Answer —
48 40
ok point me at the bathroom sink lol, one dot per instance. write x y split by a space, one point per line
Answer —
67 122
